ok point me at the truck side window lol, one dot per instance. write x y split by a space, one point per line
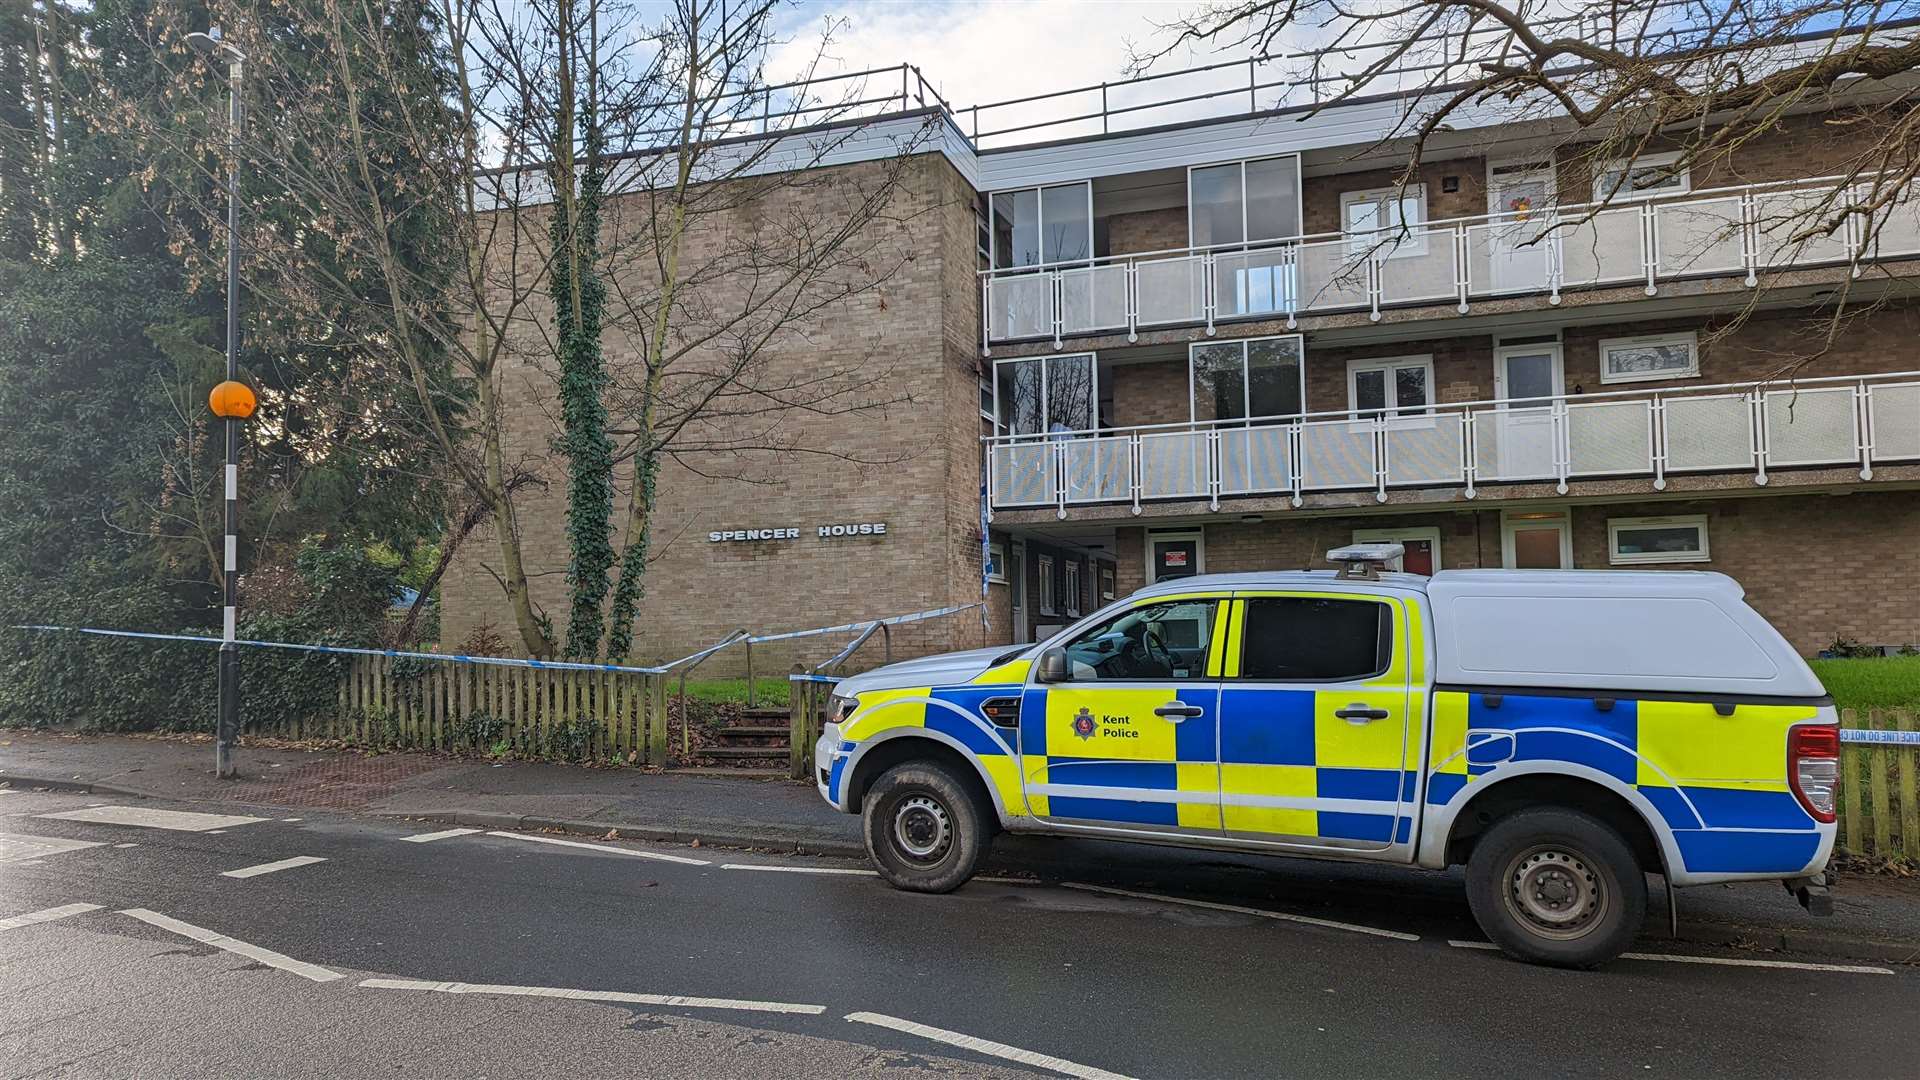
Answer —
1310 639
1157 641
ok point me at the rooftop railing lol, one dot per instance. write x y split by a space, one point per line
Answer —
1861 421
1647 240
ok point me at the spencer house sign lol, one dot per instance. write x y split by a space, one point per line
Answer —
824 532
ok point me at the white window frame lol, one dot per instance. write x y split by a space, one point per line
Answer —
1105 570
1071 586
1299 200
1040 219
1558 517
1683 178
1388 364
997 555
1199 538
1377 536
1043 567
1002 428
1690 339
1413 242
1246 384
1616 525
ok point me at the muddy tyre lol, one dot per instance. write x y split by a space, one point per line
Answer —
1556 886
925 828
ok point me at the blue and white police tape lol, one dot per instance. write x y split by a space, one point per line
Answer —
1873 737
504 661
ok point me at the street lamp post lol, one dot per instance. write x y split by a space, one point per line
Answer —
227 728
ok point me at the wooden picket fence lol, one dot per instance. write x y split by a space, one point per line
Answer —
1880 788
531 712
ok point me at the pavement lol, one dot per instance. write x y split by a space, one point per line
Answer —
148 937
1875 917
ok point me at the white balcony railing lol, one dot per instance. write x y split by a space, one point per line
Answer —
1860 421
1727 231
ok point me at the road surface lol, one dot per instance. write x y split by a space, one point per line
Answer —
143 938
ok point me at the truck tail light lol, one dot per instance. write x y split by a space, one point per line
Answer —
1813 767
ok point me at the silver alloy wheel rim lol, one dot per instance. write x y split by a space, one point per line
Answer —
921 829
1555 893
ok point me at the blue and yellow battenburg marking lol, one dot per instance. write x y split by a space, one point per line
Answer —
1718 782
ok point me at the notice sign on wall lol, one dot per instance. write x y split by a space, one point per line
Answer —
824 532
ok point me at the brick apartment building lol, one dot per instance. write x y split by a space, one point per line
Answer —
1190 347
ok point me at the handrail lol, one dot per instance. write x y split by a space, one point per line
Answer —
1416 412
1861 421
1561 211
733 637
833 665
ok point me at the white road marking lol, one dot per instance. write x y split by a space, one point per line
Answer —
613 996
1281 915
238 948
17 848
800 869
177 820
984 1046
1720 961
126 845
270 867
430 837
291 819
603 847
46 915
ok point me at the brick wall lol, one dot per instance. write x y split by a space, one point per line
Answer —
1321 194
918 457
1817 566
1147 230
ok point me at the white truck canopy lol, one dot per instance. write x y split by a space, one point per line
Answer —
1682 632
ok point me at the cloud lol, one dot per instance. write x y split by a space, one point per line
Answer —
983 51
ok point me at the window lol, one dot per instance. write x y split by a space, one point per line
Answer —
1072 588
1393 386
1643 178
996 569
1669 356
1657 539
1047 394
1032 226
1044 564
1313 639
1536 539
1379 219
1234 380
1175 555
1243 202
1105 577
1422 547
1167 640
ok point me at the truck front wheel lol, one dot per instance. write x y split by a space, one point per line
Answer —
1556 886
924 829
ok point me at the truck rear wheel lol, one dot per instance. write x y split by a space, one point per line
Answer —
924 828
1556 886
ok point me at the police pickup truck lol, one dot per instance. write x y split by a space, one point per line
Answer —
1558 733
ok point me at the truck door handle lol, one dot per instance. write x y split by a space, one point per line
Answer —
1357 713
1177 712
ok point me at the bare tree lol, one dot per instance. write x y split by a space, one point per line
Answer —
594 178
1696 81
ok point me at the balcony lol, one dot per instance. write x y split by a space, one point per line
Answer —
1720 232
1860 421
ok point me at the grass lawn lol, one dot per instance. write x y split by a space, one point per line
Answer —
771 692
1886 682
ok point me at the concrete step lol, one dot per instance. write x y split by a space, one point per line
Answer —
766 713
743 753
757 730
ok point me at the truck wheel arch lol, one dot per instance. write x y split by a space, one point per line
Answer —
884 751
1513 788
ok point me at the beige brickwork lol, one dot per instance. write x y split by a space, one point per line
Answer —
915 335
1817 566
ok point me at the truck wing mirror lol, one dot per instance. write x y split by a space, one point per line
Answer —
1053 666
